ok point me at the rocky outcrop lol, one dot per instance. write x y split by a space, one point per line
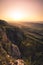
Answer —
3 23
19 62
11 48
9 52
15 51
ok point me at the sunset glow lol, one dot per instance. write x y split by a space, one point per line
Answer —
15 15
21 10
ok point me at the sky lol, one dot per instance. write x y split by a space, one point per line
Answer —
21 10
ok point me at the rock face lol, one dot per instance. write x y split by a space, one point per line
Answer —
8 51
15 51
11 48
19 62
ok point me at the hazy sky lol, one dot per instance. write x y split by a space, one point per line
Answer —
21 10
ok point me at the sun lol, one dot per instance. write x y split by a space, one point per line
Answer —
17 15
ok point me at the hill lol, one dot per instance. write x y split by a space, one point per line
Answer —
24 44
9 51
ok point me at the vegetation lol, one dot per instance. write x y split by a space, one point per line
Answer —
28 42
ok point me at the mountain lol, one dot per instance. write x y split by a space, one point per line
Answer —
21 45
4 23
9 51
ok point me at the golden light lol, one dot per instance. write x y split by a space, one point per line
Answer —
15 15
18 15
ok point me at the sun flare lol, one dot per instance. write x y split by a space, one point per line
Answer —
17 16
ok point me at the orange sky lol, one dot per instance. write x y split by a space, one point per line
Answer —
21 10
